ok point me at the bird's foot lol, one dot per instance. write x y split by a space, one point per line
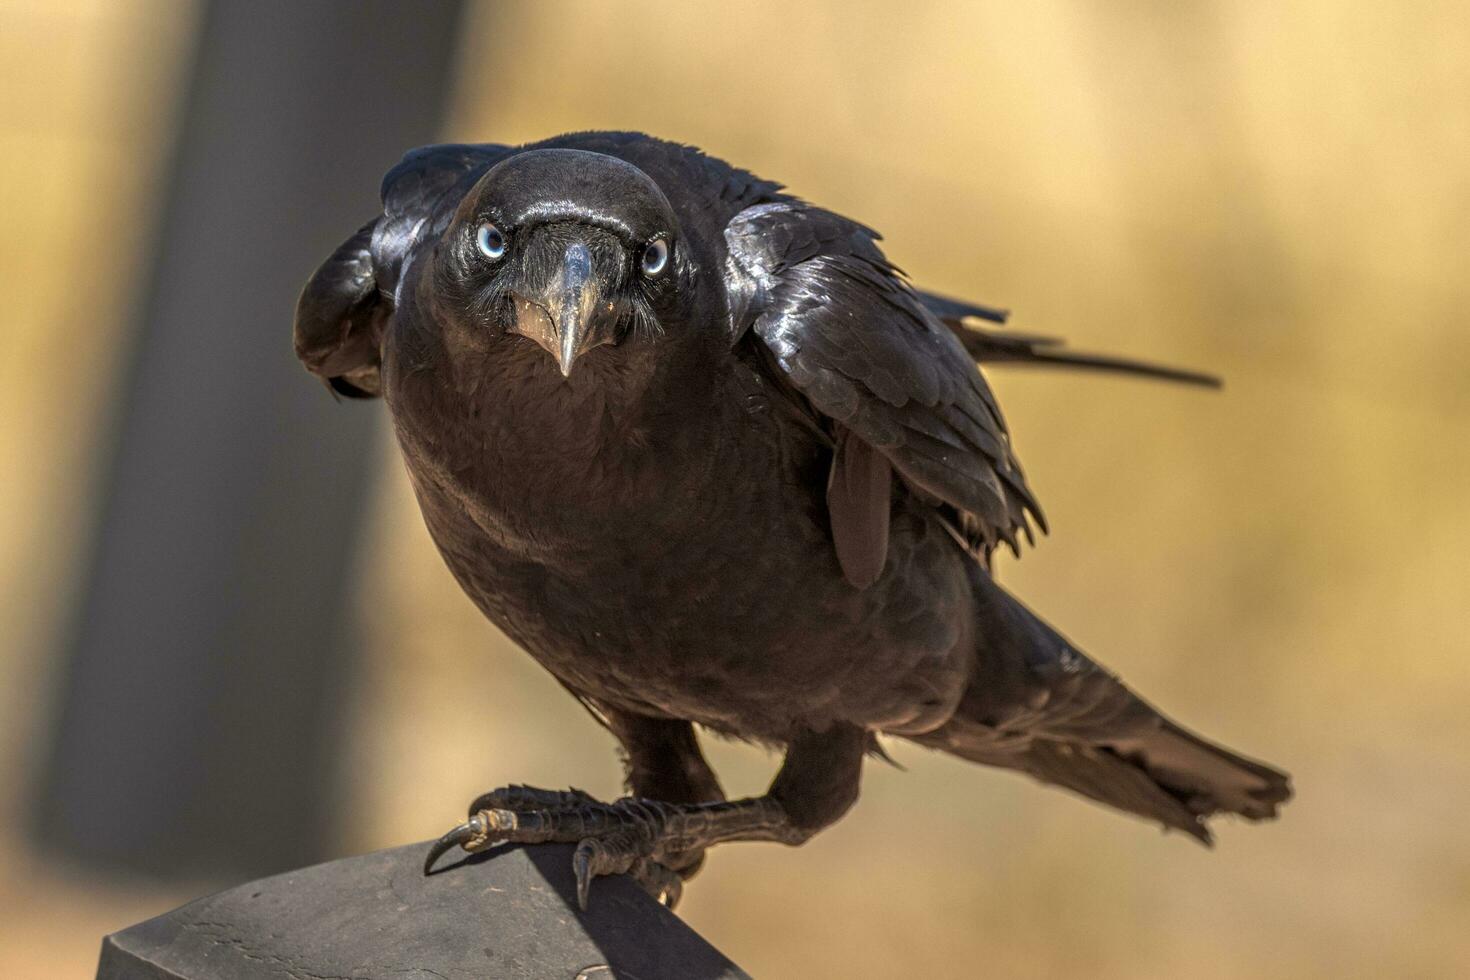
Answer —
605 835
646 839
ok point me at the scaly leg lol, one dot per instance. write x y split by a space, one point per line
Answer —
665 764
817 783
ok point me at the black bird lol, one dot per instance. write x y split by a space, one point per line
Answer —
701 450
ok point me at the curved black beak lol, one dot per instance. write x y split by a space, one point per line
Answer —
571 317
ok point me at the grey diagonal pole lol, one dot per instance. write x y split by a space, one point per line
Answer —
210 647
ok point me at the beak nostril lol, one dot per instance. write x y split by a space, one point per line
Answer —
576 268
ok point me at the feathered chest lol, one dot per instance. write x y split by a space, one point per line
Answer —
602 465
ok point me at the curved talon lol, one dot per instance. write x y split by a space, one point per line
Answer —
621 853
660 881
469 835
582 868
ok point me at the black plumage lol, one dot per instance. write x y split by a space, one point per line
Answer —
699 448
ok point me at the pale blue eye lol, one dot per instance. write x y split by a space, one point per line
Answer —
490 241
655 257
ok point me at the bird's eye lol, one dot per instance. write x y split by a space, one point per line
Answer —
655 257
490 241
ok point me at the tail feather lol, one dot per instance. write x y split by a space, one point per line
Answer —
1100 774
1038 706
1213 778
1172 776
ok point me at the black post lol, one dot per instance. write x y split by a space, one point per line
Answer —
210 649
504 915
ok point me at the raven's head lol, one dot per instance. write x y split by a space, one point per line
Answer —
570 249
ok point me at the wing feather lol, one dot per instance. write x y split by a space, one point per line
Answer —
848 334
990 346
858 500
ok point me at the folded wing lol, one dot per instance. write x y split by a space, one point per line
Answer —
846 333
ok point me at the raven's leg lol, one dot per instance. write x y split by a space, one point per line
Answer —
817 784
666 764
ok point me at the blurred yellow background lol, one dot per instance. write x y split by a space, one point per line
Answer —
1278 192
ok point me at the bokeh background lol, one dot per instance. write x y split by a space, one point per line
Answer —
1279 192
